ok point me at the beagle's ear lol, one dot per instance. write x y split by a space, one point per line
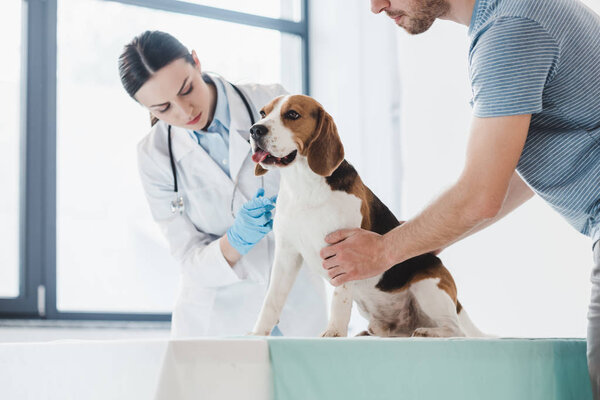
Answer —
259 170
326 152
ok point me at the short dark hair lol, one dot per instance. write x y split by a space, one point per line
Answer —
146 54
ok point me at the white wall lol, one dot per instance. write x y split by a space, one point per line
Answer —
529 274
593 4
354 74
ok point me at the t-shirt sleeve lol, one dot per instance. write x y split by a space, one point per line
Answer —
510 65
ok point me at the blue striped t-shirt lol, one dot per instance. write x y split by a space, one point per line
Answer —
542 57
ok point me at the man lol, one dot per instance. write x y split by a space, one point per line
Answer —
535 75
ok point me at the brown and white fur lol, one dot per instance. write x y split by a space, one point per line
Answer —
320 192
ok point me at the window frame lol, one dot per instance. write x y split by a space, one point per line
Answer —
37 212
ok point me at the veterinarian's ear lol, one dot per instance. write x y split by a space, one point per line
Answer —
259 170
325 152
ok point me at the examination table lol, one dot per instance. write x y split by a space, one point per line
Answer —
292 368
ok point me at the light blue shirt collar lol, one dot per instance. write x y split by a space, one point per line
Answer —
221 115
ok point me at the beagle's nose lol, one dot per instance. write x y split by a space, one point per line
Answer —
258 130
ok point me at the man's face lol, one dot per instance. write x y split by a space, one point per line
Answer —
415 16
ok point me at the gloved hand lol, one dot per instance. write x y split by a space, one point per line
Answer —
252 223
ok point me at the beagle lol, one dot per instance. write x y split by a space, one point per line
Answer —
320 192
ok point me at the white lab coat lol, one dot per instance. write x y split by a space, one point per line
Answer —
214 298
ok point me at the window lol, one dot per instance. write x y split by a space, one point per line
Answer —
286 9
110 254
10 112
92 250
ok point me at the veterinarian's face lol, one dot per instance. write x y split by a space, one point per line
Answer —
415 16
178 95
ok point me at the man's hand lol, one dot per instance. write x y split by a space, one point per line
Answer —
354 254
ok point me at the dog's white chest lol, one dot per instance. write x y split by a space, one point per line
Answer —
303 219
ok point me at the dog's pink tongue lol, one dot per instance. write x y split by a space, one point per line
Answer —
259 156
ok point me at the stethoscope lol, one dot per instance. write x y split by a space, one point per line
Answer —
177 204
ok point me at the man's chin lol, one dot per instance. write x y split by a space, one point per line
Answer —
418 27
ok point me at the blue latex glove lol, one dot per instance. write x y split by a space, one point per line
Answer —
252 223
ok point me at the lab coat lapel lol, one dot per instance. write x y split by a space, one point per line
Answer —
184 145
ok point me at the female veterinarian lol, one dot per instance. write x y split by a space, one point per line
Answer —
199 180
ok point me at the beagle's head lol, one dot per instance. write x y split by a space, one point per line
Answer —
293 127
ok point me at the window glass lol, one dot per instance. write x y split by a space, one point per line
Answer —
285 9
111 256
10 114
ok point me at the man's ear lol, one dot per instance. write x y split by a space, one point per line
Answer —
259 170
326 152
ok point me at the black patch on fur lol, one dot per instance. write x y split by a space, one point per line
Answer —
400 274
343 177
383 221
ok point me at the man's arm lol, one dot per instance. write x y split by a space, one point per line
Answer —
494 148
518 193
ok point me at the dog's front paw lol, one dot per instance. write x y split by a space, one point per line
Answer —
422 332
439 332
333 333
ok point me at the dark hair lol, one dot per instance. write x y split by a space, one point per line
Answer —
146 54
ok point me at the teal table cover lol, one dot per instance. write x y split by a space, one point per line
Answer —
425 369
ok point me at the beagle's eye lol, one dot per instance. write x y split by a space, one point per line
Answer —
292 115
262 113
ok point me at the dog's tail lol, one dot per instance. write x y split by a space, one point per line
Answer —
468 326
